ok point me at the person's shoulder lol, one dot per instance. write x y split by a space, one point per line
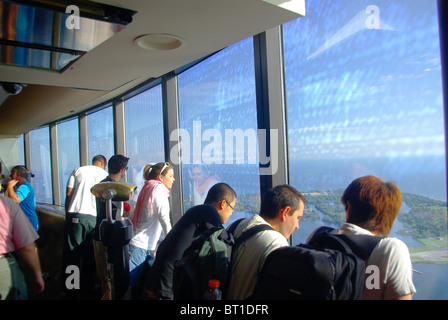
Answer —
28 185
108 179
160 190
390 248
25 189
98 169
92 172
23 185
392 244
254 221
270 235
8 202
203 213
200 209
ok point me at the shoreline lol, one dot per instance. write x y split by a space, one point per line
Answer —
433 251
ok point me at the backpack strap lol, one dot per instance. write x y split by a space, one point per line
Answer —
360 244
231 229
248 233
227 234
251 232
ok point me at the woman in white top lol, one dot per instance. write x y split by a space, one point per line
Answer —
151 219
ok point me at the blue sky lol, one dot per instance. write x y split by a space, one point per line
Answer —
365 92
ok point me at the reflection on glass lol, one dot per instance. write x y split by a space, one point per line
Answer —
37 37
218 113
100 132
41 164
68 153
144 133
201 180
364 97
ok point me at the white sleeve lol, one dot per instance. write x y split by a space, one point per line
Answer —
71 180
396 266
162 209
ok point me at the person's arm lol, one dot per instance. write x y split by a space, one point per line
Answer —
28 255
162 206
69 190
11 192
399 285
68 198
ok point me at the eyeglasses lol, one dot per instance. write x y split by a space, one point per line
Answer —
230 205
166 165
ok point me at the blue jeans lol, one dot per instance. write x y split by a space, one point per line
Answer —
140 261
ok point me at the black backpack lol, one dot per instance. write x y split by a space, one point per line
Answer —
330 267
208 257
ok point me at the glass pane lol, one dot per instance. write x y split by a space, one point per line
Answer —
20 150
68 153
219 128
364 96
100 129
144 133
41 165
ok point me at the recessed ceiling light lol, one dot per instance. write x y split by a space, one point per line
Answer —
159 41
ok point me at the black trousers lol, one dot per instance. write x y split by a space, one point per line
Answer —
78 251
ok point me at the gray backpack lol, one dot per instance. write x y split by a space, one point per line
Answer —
208 257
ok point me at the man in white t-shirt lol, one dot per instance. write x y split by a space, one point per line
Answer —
392 261
372 206
80 220
281 208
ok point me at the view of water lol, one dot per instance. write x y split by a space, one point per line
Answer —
357 104
432 283
421 175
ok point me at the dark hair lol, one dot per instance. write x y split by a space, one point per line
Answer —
99 157
280 197
21 170
152 172
220 191
116 163
374 204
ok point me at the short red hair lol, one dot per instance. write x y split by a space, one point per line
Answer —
374 204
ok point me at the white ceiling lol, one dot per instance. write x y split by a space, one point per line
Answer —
117 65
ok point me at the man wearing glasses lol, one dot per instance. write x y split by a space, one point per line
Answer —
216 210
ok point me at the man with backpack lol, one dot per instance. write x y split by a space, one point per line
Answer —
350 263
372 206
281 209
216 210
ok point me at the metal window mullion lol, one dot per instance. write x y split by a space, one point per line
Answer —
271 106
54 164
170 96
119 125
83 140
443 34
119 131
27 149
